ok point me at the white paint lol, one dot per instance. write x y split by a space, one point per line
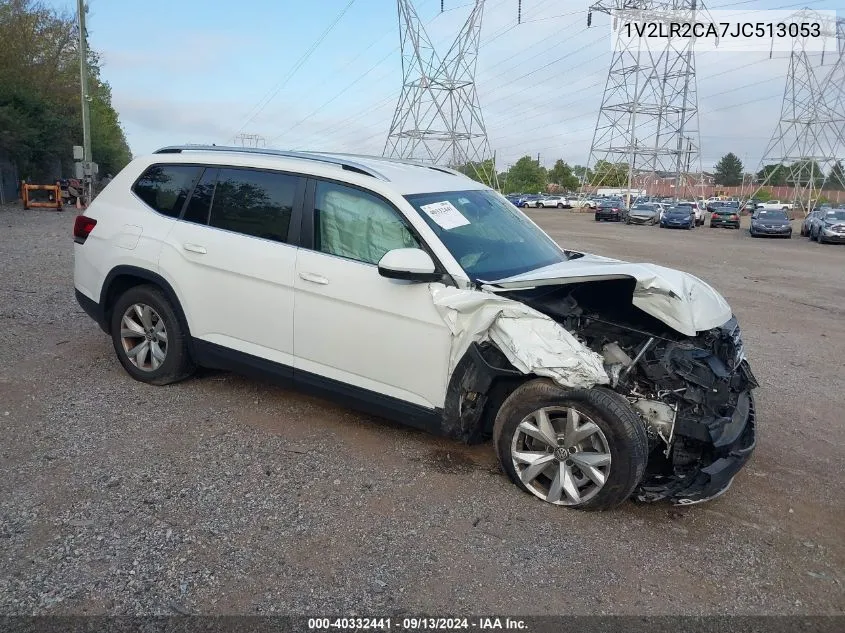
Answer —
533 342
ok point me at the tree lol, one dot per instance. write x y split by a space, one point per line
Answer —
774 175
40 111
526 176
606 174
804 173
483 172
729 170
836 177
561 174
582 173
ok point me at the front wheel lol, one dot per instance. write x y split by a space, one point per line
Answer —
559 205
581 448
149 338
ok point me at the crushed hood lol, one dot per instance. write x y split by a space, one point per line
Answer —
682 301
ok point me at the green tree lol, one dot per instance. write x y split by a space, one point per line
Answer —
561 174
804 173
483 172
526 176
607 174
729 171
836 177
40 111
774 175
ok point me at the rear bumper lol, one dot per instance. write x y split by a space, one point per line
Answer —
608 215
728 223
92 309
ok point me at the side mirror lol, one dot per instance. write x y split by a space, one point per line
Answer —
409 264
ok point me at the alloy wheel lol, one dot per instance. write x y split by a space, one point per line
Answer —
143 335
561 455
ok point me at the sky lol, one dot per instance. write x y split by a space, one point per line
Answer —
197 71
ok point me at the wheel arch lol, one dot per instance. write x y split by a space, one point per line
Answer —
122 278
481 382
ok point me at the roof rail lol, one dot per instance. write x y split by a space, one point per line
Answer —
336 159
400 161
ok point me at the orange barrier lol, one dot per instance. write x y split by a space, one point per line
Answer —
54 201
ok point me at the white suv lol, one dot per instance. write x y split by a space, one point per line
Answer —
413 292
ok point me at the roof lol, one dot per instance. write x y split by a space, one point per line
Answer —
402 176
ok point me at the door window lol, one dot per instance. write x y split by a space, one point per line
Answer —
351 223
200 203
254 202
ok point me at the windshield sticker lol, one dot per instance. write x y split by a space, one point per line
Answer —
463 200
445 214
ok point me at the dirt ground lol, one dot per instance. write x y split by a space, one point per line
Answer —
226 495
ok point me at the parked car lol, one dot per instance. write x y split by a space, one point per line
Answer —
679 217
749 206
577 202
726 214
772 205
770 223
643 214
530 200
830 227
612 209
412 292
514 198
553 201
812 217
696 208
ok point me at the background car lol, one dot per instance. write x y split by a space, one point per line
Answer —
553 201
610 209
830 227
696 208
576 202
811 217
770 223
678 217
646 213
726 214
529 200
749 206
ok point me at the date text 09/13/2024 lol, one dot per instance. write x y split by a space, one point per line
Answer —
416 624
688 30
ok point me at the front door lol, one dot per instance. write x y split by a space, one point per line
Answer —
351 324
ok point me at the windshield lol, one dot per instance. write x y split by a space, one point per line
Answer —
838 214
642 207
684 211
490 238
771 215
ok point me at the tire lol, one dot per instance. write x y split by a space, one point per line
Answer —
177 363
540 205
617 430
559 205
597 219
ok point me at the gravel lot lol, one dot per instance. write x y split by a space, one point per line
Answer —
226 495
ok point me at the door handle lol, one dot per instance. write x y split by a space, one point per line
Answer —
194 248
314 278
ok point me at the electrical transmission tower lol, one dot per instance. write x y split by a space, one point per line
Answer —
251 140
809 139
647 127
438 117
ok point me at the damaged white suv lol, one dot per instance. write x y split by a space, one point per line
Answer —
412 292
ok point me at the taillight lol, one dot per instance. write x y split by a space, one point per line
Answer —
82 228
734 217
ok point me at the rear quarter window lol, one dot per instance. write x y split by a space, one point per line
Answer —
165 188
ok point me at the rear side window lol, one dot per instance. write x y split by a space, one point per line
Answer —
166 187
253 202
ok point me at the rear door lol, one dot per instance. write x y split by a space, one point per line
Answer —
230 260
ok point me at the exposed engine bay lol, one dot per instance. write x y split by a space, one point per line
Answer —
693 394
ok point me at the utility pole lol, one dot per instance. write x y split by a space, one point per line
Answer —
87 162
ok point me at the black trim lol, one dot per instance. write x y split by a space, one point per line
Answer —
220 357
92 309
405 275
146 275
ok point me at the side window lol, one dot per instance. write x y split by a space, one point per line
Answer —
166 187
200 203
351 223
253 202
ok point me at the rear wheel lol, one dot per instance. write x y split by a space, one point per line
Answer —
149 338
